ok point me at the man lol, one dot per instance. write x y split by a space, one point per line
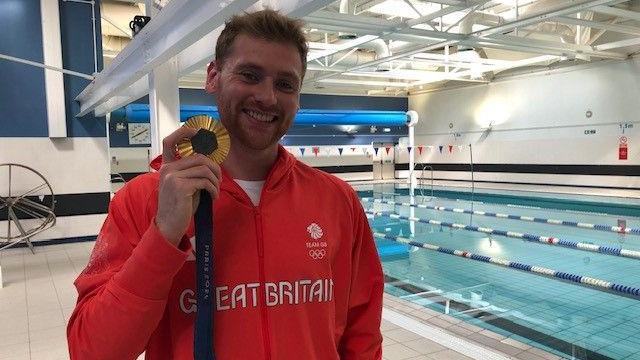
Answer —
296 272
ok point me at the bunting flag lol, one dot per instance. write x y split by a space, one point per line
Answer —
440 147
353 149
364 151
316 150
302 151
450 149
376 150
340 151
420 149
409 149
387 148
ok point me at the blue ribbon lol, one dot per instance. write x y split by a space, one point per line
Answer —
203 328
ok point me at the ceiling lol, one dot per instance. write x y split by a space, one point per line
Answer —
403 47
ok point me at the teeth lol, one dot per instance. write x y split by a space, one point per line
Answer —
260 116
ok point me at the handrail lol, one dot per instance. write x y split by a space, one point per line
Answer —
425 167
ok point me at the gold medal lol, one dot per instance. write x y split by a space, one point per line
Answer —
212 139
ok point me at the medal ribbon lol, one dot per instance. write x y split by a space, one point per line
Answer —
203 330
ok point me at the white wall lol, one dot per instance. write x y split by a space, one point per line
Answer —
329 156
71 166
130 160
538 119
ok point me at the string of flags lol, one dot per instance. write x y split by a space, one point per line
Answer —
374 150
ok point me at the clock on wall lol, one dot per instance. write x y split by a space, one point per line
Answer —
139 134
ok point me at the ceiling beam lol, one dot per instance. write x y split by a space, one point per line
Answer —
344 46
565 9
497 41
513 64
623 29
442 12
614 11
482 35
365 83
618 44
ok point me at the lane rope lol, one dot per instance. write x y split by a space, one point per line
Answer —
615 229
593 283
547 240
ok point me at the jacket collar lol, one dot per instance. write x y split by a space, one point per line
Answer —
276 178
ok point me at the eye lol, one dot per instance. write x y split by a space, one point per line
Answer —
286 86
250 76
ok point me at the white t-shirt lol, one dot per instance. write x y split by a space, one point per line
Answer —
251 188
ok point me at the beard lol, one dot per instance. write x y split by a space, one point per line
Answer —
242 132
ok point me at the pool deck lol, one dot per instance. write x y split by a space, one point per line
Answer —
414 332
41 296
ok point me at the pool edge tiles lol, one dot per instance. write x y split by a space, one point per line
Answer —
529 200
559 346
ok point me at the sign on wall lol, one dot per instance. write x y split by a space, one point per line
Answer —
622 148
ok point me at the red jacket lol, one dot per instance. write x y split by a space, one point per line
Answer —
297 277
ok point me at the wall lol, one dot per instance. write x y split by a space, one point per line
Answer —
540 132
77 166
130 160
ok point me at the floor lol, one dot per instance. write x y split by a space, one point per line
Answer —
38 298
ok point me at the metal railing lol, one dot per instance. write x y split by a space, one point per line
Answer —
426 167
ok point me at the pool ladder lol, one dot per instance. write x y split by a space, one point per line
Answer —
426 167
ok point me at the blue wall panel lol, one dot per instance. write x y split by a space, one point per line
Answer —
303 134
23 110
77 55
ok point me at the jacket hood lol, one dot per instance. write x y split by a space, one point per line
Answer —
276 178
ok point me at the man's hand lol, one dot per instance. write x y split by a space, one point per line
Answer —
180 183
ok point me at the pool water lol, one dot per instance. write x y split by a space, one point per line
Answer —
568 319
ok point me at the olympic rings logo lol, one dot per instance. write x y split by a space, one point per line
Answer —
317 254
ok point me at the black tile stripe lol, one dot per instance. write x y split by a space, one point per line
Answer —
541 338
617 170
126 176
69 204
68 240
345 169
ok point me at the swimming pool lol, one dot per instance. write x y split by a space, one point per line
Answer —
588 307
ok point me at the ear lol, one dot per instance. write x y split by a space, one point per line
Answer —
211 86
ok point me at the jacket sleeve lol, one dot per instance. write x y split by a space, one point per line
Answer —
362 339
123 291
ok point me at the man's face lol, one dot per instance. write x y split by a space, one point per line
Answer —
258 90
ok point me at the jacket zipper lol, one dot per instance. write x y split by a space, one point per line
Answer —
263 306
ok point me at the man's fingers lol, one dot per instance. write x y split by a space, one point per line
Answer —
201 171
169 143
195 160
205 184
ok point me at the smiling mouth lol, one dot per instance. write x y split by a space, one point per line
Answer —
260 116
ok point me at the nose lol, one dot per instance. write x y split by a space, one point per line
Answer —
265 94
